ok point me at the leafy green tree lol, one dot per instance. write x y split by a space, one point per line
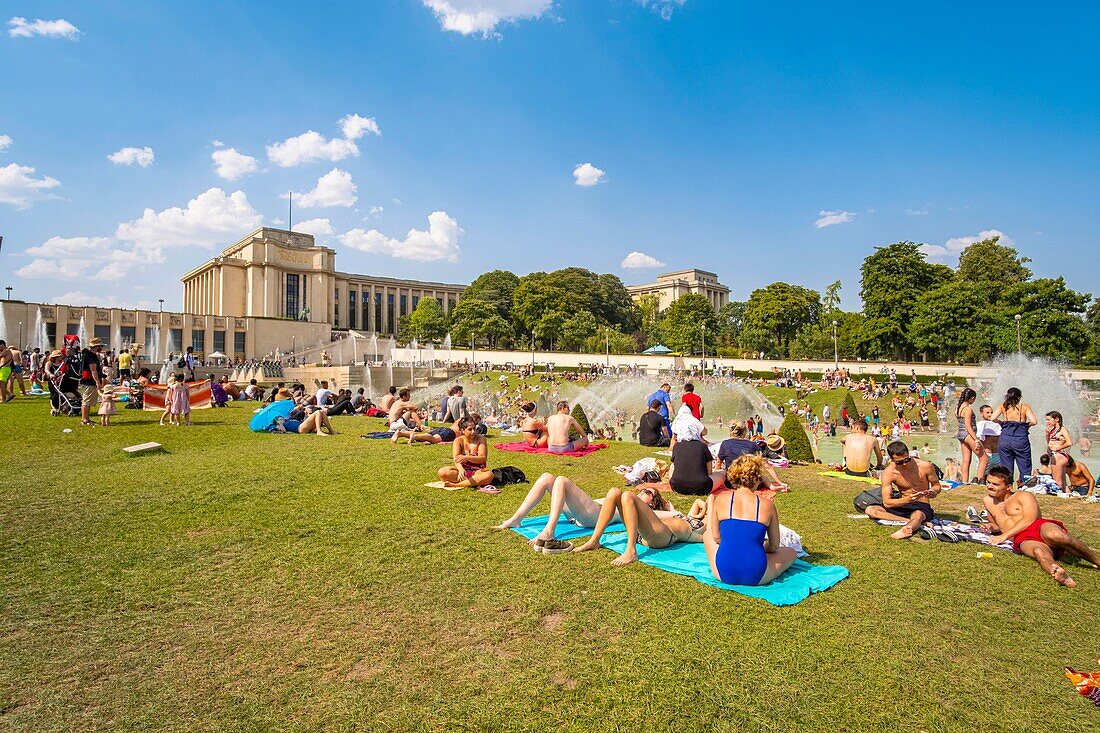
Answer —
812 342
830 300
989 261
582 420
468 319
1051 321
731 320
427 322
548 328
570 291
687 321
894 279
577 329
798 443
952 322
649 310
776 313
496 287
610 339
496 330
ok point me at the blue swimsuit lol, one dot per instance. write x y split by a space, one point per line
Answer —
741 559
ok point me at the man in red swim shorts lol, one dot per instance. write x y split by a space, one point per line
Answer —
1015 516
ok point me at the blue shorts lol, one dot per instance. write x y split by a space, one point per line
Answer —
292 426
446 434
567 448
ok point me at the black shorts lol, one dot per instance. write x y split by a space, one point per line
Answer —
446 434
862 474
903 511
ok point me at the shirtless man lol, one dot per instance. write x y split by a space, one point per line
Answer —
858 447
558 427
915 481
389 399
1079 478
1085 446
1015 516
5 372
403 414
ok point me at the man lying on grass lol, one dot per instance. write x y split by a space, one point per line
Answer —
1015 516
915 482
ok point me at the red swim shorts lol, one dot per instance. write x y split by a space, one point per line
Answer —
1032 533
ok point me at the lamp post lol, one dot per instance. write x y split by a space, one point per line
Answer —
8 288
20 334
703 341
161 301
836 353
1019 342
607 346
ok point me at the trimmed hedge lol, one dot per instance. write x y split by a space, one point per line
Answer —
798 443
580 417
853 411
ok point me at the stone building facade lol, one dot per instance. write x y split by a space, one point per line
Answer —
671 285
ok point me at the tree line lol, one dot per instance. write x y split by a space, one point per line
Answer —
913 310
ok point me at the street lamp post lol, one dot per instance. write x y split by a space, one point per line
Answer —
161 301
703 339
1019 342
8 288
836 353
607 347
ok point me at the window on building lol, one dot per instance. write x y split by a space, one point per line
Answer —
198 342
219 341
451 306
351 309
150 339
51 333
390 314
378 312
404 305
440 301
293 304
238 344
336 315
366 312
72 329
176 338
103 333
416 301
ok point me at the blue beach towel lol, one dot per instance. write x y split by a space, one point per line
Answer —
690 559
566 530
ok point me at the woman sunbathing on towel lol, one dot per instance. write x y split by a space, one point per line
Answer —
742 536
533 429
565 496
470 454
650 517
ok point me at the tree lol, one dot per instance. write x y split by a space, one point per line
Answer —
830 300
581 418
798 443
649 310
990 262
610 339
549 327
952 323
894 279
731 320
496 287
850 403
687 321
1050 325
494 329
570 291
576 329
468 319
427 322
776 313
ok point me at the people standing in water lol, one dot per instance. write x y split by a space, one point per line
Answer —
967 435
1058 445
1016 418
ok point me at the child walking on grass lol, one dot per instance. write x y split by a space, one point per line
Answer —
169 401
106 404
182 406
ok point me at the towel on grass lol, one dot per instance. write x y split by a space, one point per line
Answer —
522 447
690 559
377 435
841 474
566 530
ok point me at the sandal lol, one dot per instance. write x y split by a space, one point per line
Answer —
489 490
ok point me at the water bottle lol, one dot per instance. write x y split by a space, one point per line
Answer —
985 555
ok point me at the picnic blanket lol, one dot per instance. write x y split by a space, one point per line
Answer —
846 477
520 446
690 559
566 530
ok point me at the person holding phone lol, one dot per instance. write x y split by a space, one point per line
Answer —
908 485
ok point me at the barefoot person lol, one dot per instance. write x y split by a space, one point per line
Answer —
533 429
1014 447
559 426
565 497
915 482
742 533
1015 516
403 414
470 456
316 422
858 447
1058 445
649 518
967 434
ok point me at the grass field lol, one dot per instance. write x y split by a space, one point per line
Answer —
243 582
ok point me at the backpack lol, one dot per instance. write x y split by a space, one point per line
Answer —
508 475
871 497
182 363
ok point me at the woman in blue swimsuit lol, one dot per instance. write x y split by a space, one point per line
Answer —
742 539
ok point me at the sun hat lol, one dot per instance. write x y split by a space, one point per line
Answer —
775 442
94 343
55 354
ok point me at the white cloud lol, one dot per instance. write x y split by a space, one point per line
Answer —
953 247
375 212
586 174
829 218
316 227
133 156
354 126
639 261
217 143
440 242
20 188
60 28
231 165
335 188
98 258
211 217
916 212
79 297
482 17
5 143
662 7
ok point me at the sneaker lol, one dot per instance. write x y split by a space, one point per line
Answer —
983 515
556 547
973 516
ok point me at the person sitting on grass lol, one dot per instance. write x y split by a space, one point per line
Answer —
858 448
651 429
915 482
1015 516
692 462
470 454
648 517
403 413
565 496
533 429
435 436
316 422
218 397
742 533
559 426
1078 476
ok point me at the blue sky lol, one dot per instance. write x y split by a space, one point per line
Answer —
728 134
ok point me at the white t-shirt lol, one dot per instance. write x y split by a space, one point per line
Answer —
987 427
323 396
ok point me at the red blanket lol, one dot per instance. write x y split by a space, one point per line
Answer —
522 447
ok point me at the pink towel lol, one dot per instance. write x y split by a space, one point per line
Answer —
522 447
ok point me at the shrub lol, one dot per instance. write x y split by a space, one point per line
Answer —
798 443
581 418
850 403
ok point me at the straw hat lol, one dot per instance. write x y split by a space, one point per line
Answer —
775 442
55 354
94 343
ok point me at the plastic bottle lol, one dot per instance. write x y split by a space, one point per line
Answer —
985 555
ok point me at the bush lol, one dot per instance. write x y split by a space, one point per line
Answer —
581 418
853 411
798 443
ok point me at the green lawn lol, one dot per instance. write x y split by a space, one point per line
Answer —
265 582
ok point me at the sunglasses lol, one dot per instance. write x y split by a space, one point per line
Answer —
907 459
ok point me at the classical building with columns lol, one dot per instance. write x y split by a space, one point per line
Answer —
671 285
273 273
